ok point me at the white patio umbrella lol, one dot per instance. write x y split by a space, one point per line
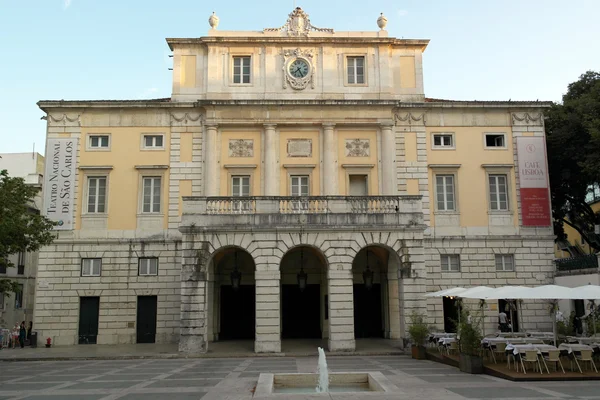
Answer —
503 292
446 292
591 293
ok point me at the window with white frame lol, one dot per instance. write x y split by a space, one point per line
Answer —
147 266
443 140
153 141
96 199
151 194
497 140
240 185
98 141
91 266
450 262
444 187
356 70
19 297
498 192
241 69
299 185
505 262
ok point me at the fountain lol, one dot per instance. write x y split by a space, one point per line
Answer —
322 383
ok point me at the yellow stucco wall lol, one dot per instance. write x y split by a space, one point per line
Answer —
471 183
185 151
124 180
410 146
315 182
188 71
226 160
373 180
408 78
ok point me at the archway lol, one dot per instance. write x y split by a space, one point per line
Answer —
376 293
231 295
303 294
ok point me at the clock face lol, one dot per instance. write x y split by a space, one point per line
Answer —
299 68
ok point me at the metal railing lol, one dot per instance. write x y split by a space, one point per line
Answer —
589 261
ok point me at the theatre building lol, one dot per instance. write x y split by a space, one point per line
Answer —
297 184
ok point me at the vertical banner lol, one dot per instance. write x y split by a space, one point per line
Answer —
59 182
533 179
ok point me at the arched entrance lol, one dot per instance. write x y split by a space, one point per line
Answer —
303 294
231 295
376 293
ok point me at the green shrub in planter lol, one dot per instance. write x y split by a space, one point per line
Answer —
419 333
469 343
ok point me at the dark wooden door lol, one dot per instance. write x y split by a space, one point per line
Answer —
368 322
450 315
146 319
301 312
89 310
237 313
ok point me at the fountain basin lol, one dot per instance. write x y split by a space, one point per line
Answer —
275 385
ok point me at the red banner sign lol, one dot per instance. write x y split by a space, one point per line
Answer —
533 179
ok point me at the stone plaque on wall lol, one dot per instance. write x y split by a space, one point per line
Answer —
299 147
241 148
357 148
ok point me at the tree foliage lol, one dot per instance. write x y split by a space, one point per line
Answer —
22 228
573 141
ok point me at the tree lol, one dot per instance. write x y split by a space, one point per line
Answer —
573 141
21 227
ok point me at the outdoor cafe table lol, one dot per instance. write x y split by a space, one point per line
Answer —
571 347
581 340
522 348
446 341
490 341
545 335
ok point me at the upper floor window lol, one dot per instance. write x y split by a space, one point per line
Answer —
495 140
450 262
240 185
98 141
356 70
443 141
241 69
153 142
151 194
505 262
147 266
444 188
299 185
91 266
498 192
96 194
21 263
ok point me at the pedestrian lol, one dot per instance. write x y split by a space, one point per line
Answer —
503 321
15 335
22 334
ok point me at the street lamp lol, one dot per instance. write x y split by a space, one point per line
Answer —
236 275
302 276
368 274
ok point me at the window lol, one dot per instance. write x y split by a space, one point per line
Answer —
153 142
240 186
505 262
19 297
450 262
495 140
98 141
91 266
96 194
356 70
151 194
443 140
299 185
498 193
241 69
21 263
444 187
3 267
1 301
148 266
358 185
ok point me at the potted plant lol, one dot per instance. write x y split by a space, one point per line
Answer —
469 343
419 332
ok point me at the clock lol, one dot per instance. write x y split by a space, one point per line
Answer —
299 68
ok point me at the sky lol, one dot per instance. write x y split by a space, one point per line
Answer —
116 49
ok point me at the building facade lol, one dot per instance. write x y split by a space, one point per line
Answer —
296 184
18 307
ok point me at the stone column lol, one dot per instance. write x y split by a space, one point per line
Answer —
271 167
268 332
388 152
330 161
341 309
211 166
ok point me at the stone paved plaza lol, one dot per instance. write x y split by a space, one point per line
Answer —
228 378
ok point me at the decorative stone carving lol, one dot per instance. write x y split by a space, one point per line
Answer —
299 147
241 148
186 118
298 24
382 22
358 148
409 118
526 119
298 83
63 120
213 21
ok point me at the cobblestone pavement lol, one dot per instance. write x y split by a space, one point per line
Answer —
211 379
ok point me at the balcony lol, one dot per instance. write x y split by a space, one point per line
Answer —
266 213
577 263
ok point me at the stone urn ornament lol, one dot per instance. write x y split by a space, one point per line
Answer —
213 21
382 22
